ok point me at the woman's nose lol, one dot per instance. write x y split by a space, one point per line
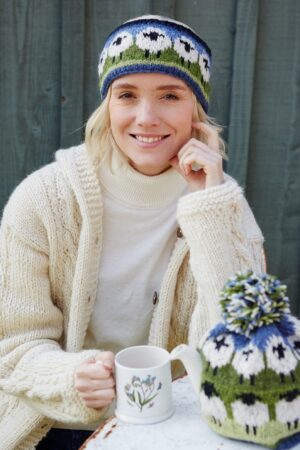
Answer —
146 114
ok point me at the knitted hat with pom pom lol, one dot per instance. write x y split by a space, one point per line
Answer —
155 44
250 386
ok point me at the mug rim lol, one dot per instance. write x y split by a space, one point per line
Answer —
163 350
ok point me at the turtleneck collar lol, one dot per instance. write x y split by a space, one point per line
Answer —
130 186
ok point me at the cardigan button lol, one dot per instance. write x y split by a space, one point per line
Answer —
179 233
155 298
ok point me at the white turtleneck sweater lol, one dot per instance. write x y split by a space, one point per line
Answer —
139 229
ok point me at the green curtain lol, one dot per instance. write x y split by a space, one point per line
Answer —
48 89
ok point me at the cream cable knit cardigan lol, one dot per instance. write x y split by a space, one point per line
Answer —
50 247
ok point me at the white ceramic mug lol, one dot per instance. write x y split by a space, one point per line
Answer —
143 384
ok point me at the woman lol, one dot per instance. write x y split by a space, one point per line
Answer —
92 258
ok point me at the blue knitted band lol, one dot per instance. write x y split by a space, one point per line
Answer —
154 44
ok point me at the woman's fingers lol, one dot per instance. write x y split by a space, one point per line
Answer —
212 136
102 394
107 358
199 158
97 367
92 370
212 143
86 385
94 380
211 170
199 163
101 400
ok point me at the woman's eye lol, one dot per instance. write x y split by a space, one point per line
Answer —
171 97
126 95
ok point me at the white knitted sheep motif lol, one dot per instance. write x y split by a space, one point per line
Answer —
250 412
288 409
120 43
204 67
218 351
248 362
102 60
153 41
184 47
211 403
280 358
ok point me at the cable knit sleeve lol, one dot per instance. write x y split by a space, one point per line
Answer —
33 366
223 237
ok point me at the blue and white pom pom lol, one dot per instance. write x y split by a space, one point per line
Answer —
250 301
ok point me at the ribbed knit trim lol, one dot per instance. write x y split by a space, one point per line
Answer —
136 189
31 427
76 165
160 326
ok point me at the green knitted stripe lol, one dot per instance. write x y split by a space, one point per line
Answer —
269 434
168 58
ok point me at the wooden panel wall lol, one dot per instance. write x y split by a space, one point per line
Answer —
48 88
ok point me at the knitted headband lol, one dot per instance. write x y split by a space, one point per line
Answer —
155 44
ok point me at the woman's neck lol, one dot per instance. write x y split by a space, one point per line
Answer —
128 185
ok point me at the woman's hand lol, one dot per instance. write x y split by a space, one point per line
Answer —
94 380
206 157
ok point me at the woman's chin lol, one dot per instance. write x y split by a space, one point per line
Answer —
150 170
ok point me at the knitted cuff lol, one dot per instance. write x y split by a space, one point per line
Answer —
216 197
47 385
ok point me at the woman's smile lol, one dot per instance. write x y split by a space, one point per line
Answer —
149 140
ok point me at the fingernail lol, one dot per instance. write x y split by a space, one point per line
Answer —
107 365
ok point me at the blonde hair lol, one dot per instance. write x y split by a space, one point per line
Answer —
98 137
99 140
201 116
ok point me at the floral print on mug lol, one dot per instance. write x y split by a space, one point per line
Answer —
142 392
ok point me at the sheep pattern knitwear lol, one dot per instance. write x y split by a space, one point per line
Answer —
250 388
50 250
160 45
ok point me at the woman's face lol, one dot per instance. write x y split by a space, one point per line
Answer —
151 116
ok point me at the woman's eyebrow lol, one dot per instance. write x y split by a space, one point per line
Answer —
163 87
124 86
171 87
